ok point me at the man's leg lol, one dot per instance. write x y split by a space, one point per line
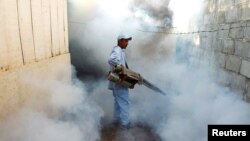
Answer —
117 112
123 104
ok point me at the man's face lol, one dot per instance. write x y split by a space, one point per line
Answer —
123 43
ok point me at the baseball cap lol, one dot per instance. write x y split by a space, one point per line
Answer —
124 36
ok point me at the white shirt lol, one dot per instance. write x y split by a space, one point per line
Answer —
116 57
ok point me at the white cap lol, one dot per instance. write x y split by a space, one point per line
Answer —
124 36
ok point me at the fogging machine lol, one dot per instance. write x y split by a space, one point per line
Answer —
128 78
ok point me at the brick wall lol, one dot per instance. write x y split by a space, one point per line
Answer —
224 34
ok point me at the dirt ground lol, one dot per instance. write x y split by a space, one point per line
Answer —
135 133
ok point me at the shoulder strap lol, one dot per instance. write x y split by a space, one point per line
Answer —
126 64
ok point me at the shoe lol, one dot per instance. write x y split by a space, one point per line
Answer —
114 124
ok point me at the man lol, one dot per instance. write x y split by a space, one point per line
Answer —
120 93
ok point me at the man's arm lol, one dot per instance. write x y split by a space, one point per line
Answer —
115 57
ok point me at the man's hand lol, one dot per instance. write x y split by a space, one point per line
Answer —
118 68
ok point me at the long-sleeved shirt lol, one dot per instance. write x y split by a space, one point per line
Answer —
116 57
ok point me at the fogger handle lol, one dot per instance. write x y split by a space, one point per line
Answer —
118 69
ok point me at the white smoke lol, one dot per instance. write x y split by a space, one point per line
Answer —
194 98
58 111
186 13
54 111
92 38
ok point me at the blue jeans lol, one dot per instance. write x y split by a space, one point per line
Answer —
121 105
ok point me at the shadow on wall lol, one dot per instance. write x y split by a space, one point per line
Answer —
85 61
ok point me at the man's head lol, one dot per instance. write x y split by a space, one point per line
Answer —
123 40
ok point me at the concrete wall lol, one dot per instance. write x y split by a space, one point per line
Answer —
223 32
33 38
